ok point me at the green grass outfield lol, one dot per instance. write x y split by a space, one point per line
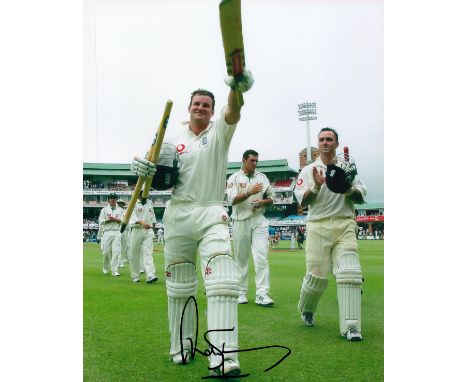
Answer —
126 334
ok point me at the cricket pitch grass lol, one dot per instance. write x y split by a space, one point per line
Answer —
126 337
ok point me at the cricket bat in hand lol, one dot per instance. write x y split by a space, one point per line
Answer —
233 41
153 156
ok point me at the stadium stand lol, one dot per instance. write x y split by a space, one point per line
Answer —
284 214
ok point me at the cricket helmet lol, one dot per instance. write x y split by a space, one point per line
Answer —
341 172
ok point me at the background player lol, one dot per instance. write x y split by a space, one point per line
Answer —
109 225
331 235
249 191
141 238
123 238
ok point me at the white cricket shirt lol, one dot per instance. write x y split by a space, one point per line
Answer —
327 204
238 183
203 161
144 212
105 214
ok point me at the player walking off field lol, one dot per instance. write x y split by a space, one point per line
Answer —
195 220
329 187
249 191
123 238
109 225
141 238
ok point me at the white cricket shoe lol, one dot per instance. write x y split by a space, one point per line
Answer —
136 279
105 271
353 335
178 360
308 318
263 300
242 299
152 279
115 274
231 368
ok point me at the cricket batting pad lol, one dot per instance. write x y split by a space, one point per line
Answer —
348 287
222 292
181 283
311 290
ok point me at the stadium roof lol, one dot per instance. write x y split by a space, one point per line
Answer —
110 169
266 166
119 169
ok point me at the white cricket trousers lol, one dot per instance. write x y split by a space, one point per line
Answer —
252 235
326 241
141 242
110 245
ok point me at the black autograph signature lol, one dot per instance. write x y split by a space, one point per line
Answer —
213 350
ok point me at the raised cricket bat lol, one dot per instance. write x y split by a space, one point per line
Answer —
153 156
233 41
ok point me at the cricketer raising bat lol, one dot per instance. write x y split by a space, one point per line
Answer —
233 41
153 156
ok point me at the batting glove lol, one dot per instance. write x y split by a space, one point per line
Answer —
242 82
143 167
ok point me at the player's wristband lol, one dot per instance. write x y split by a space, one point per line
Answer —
315 189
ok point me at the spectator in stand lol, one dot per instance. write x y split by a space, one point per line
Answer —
109 224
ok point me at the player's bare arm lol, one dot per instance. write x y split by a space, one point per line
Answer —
232 114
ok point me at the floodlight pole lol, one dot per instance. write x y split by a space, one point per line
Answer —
307 112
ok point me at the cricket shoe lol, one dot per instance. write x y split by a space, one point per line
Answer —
179 360
152 279
353 335
115 274
263 300
136 279
231 368
242 299
308 318
105 271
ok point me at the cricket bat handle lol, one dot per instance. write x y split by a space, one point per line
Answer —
153 155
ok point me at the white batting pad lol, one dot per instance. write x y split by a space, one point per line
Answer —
348 285
181 283
222 291
311 290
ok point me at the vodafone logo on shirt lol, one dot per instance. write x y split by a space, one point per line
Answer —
300 181
181 149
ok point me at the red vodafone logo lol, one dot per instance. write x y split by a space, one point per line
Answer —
180 148
300 181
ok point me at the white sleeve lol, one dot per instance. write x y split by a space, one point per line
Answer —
102 216
268 189
304 183
231 189
134 218
360 186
